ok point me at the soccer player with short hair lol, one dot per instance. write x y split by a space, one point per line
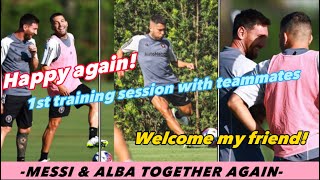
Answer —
290 105
18 52
60 52
250 31
155 54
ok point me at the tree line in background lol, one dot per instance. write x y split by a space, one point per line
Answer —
192 28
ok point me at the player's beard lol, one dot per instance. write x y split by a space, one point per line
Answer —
27 37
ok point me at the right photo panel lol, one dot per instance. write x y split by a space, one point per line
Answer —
269 76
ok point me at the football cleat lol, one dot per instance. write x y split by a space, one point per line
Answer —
94 142
183 119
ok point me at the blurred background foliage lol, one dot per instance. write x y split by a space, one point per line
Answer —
192 28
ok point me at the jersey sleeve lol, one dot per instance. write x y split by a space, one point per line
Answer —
5 45
132 44
51 52
254 94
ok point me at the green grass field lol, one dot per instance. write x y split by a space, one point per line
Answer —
171 153
71 137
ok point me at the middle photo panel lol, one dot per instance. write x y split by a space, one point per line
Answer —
167 104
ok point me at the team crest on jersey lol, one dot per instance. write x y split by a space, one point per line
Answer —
163 45
8 118
61 109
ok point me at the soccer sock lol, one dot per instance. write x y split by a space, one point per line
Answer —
43 156
21 142
20 159
93 132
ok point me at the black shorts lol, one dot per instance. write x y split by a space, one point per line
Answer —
176 99
16 107
55 112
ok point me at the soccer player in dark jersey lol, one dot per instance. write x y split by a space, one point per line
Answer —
155 54
18 53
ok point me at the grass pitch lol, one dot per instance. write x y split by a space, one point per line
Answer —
171 153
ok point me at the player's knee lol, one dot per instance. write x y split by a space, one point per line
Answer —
24 130
187 111
5 129
93 106
53 125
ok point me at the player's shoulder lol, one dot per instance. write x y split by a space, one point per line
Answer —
138 37
166 41
71 36
6 41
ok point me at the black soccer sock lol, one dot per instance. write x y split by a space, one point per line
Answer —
21 142
20 158
93 132
43 156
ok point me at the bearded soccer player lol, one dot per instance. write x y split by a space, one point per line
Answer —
60 52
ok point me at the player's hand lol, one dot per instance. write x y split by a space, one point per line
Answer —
33 49
2 108
63 90
190 66
120 74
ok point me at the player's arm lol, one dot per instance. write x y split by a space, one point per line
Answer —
34 54
129 46
120 55
241 111
5 44
178 63
52 52
245 97
182 64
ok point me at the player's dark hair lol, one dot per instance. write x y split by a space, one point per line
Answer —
248 18
28 19
157 18
295 19
55 15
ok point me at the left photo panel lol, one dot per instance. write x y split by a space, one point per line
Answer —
57 120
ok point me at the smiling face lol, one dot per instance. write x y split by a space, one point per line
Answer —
60 26
30 30
157 31
254 40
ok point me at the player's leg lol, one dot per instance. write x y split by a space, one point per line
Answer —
21 142
55 118
162 105
24 123
186 109
93 126
183 102
11 108
4 131
93 118
48 136
120 146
